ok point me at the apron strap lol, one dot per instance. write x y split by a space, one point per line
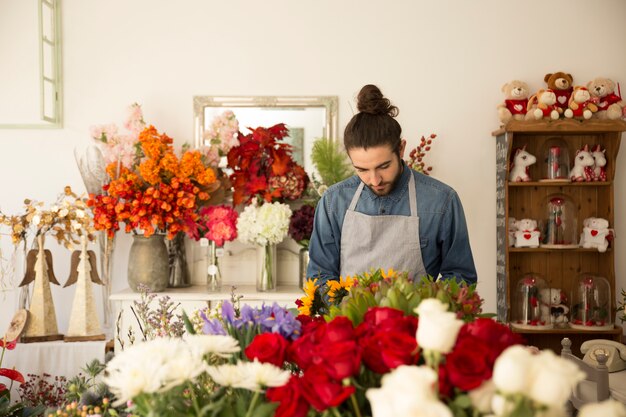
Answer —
356 196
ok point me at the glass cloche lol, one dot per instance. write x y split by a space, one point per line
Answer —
528 308
556 160
559 223
591 303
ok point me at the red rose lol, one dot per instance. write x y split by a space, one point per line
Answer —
303 350
292 403
376 315
495 335
386 350
338 330
268 348
340 360
445 386
321 391
469 364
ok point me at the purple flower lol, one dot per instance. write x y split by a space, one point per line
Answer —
228 312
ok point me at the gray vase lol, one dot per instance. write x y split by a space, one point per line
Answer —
303 264
148 263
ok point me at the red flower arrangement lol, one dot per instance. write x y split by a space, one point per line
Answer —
263 167
160 193
301 225
218 224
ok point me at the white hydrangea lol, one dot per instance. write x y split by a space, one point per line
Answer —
267 224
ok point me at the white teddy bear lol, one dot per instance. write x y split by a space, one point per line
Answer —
596 234
553 309
526 234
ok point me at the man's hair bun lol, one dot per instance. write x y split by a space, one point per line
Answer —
371 100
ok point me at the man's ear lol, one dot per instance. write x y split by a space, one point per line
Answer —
402 147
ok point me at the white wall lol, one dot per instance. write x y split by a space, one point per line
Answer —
441 62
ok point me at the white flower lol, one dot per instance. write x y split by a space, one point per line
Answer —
253 376
80 214
553 378
36 219
264 225
482 396
63 212
151 367
407 391
510 372
438 328
219 345
608 408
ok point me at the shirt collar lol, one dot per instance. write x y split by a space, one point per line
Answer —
399 190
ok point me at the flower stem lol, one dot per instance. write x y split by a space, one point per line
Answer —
357 412
255 399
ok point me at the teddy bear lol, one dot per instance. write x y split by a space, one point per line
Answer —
519 166
583 166
542 104
553 308
596 234
515 101
561 83
599 163
610 105
526 233
580 104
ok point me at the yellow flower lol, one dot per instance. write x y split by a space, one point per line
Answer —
390 274
310 287
335 287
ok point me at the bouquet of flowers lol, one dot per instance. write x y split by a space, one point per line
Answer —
301 225
222 135
160 192
217 224
264 169
417 155
264 225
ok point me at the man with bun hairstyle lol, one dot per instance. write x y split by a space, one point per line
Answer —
387 215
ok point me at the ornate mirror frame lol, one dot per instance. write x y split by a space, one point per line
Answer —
203 106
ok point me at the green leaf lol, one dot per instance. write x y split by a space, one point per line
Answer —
265 409
463 401
331 162
188 325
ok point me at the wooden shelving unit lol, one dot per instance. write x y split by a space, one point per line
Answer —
520 200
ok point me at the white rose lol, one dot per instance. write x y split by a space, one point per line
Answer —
511 370
608 408
438 328
553 378
481 397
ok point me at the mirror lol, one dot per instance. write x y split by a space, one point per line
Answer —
30 52
307 118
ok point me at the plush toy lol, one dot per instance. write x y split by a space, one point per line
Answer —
596 234
526 234
561 83
583 166
610 105
519 166
580 104
515 101
599 163
542 104
553 308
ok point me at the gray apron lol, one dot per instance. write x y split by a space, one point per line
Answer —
381 241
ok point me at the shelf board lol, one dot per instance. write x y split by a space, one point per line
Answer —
614 330
562 125
560 184
540 249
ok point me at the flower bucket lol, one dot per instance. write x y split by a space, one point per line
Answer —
148 263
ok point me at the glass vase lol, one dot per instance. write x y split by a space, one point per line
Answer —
179 274
266 268
106 246
214 275
303 264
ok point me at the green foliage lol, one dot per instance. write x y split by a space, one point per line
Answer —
331 163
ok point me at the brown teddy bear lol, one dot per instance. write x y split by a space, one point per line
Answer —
561 83
515 101
542 104
610 105
580 104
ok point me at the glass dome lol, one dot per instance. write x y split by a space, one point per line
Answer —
559 224
528 308
556 160
591 303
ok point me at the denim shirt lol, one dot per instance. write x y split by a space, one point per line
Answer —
444 239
